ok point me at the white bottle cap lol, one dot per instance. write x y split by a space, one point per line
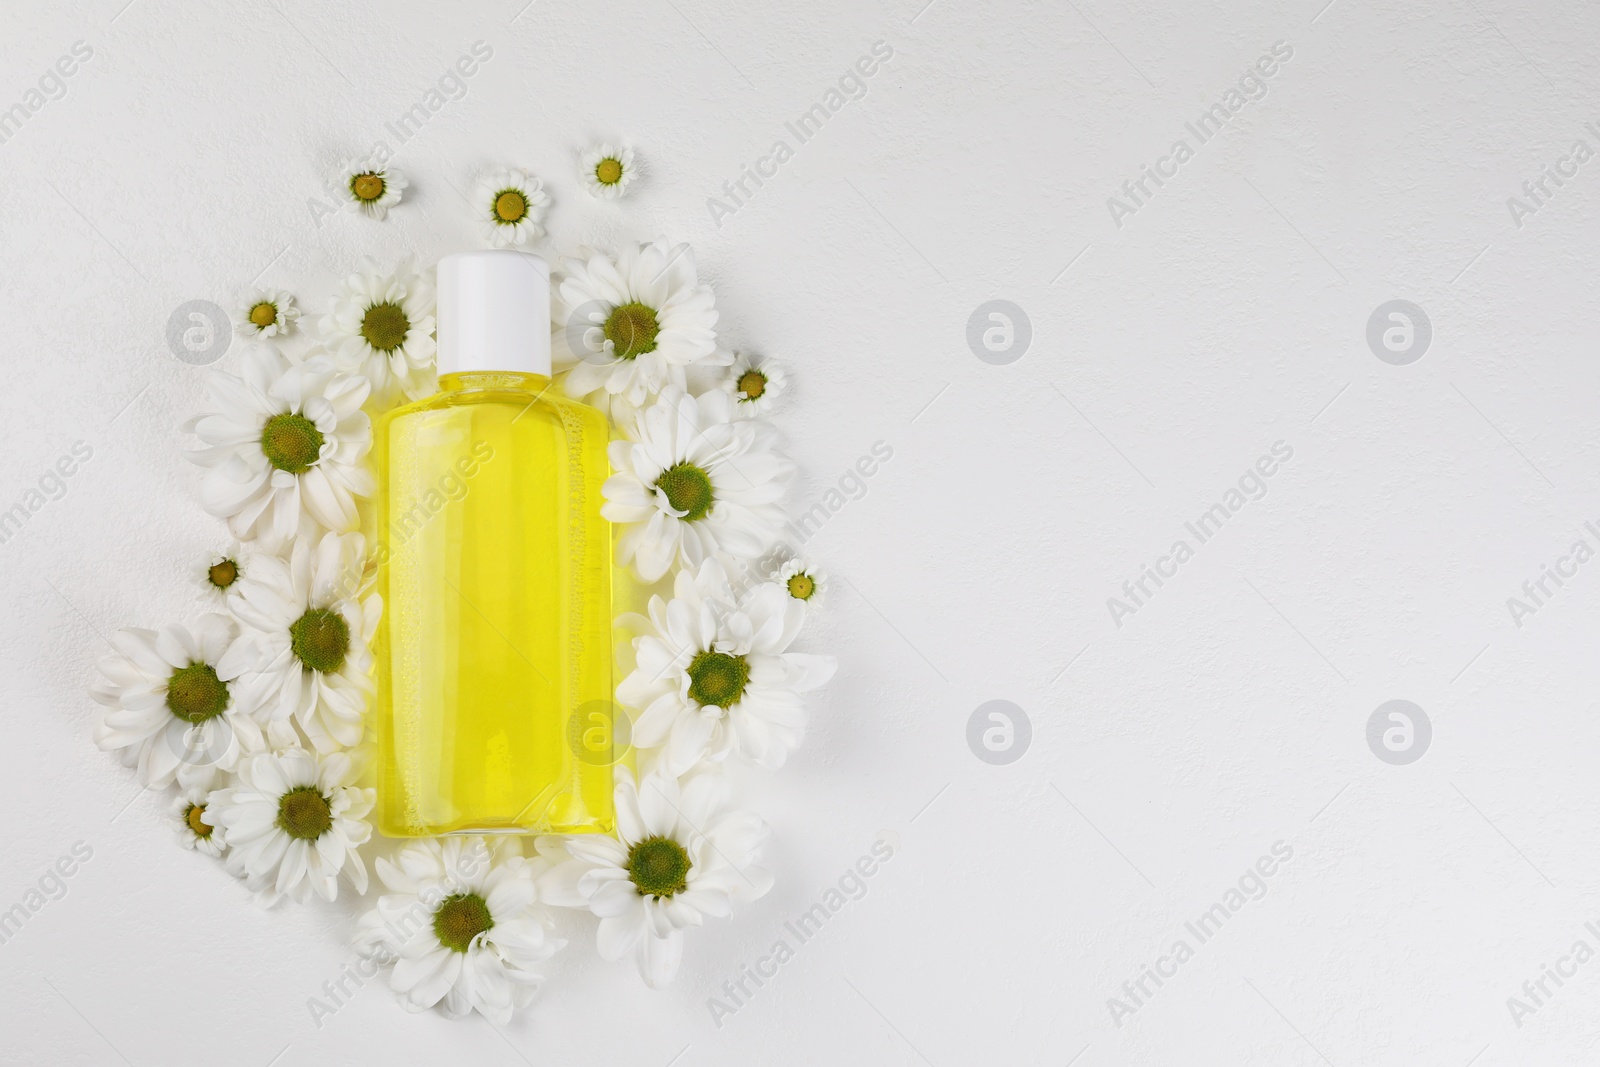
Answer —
494 312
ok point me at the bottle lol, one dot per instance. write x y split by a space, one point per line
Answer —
494 655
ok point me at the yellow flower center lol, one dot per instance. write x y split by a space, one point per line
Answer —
752 383
688 489
194 817
367 187
195 693
291 442
223 574
717 679
304 813
385 326
632 330
510 206
609 171
460 919
263 315
320 639
801 587
659 867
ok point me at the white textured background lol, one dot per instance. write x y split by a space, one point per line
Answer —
1167 355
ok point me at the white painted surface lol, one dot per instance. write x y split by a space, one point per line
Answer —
1227 314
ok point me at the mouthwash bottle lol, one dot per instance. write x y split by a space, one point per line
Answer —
494 655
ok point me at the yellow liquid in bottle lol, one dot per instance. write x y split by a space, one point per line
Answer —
494 658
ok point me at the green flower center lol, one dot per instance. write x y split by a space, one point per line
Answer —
223 574
263 315
320 639
802 586
688 489
716 678
752 383
608 171
659 867
291 442
367 187
632 329
304 813
385 326
461 918
195 693
196 823
510 206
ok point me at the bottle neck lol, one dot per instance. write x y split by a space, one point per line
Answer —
469 380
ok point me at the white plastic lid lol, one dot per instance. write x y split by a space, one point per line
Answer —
494 312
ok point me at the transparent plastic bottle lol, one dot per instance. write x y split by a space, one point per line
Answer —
494 652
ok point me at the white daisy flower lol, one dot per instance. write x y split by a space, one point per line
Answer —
195 828
716 676
370 187
608 171
805 582
693 483
628 327
754 386
382 326
174 708
513 203
268 313
678 857
314 630
293 822
218 574
462 924
286 440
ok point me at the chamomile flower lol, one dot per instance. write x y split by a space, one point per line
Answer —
754 386
370 187
268 313
294 822
716 676
691 484
608 171
679 856
195 828
802 581
174 712
314 630
512 204
381 326
462 923
218 574
626 327
286 441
